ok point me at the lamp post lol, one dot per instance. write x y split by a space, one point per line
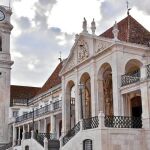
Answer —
33 119
81 86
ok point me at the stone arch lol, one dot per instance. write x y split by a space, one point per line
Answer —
85 80
105 89
132 65
70 93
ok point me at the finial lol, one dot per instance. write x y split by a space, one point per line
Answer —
128 9
84 26
115 31
76 37
93 26
60 59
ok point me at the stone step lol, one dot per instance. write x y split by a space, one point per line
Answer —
53 145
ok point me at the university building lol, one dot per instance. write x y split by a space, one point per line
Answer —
96 99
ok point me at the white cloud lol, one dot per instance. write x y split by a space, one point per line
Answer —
68 15
42 28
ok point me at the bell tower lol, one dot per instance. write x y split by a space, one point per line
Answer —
5 71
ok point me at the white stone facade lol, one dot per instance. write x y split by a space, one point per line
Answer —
5 67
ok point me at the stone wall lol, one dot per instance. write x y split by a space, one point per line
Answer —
111 139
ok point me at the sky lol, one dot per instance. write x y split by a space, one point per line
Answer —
43 28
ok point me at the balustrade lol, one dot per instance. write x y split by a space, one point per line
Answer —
130 78
39 112
71 133
123 122
90 123
148 71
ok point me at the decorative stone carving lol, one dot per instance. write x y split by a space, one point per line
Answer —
71 63
102 45
83 51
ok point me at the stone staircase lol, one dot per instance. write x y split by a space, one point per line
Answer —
53 143
6 146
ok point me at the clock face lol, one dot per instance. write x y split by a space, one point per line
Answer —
2 15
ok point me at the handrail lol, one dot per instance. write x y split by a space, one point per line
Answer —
123 122
130 78
90 123
6 146
71 133
39 137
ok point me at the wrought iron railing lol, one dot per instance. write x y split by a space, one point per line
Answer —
19 102
123 122
24 117
71 133
130 78
6 146
90 123
39 137
39 112
148 71
27 135
57 105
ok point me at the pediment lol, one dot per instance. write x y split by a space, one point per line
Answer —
78 53
102 45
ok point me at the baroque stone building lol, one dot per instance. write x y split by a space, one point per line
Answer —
98 98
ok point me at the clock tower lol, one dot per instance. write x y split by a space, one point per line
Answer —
5 70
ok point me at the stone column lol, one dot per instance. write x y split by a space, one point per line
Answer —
53 124
145 105
100 98
144 86
39 126
116 78
14 135
77 99
94 102
28 127
45 144
23 133
64 118
19 138
45 125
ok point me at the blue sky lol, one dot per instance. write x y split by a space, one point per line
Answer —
43 28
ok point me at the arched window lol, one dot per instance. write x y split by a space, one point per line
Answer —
26 147
87 144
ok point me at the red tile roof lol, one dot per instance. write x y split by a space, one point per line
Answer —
23 92
53 80
130 31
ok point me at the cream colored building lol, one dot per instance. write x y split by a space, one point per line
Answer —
96 99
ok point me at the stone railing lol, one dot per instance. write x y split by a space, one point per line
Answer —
40 112
130 78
